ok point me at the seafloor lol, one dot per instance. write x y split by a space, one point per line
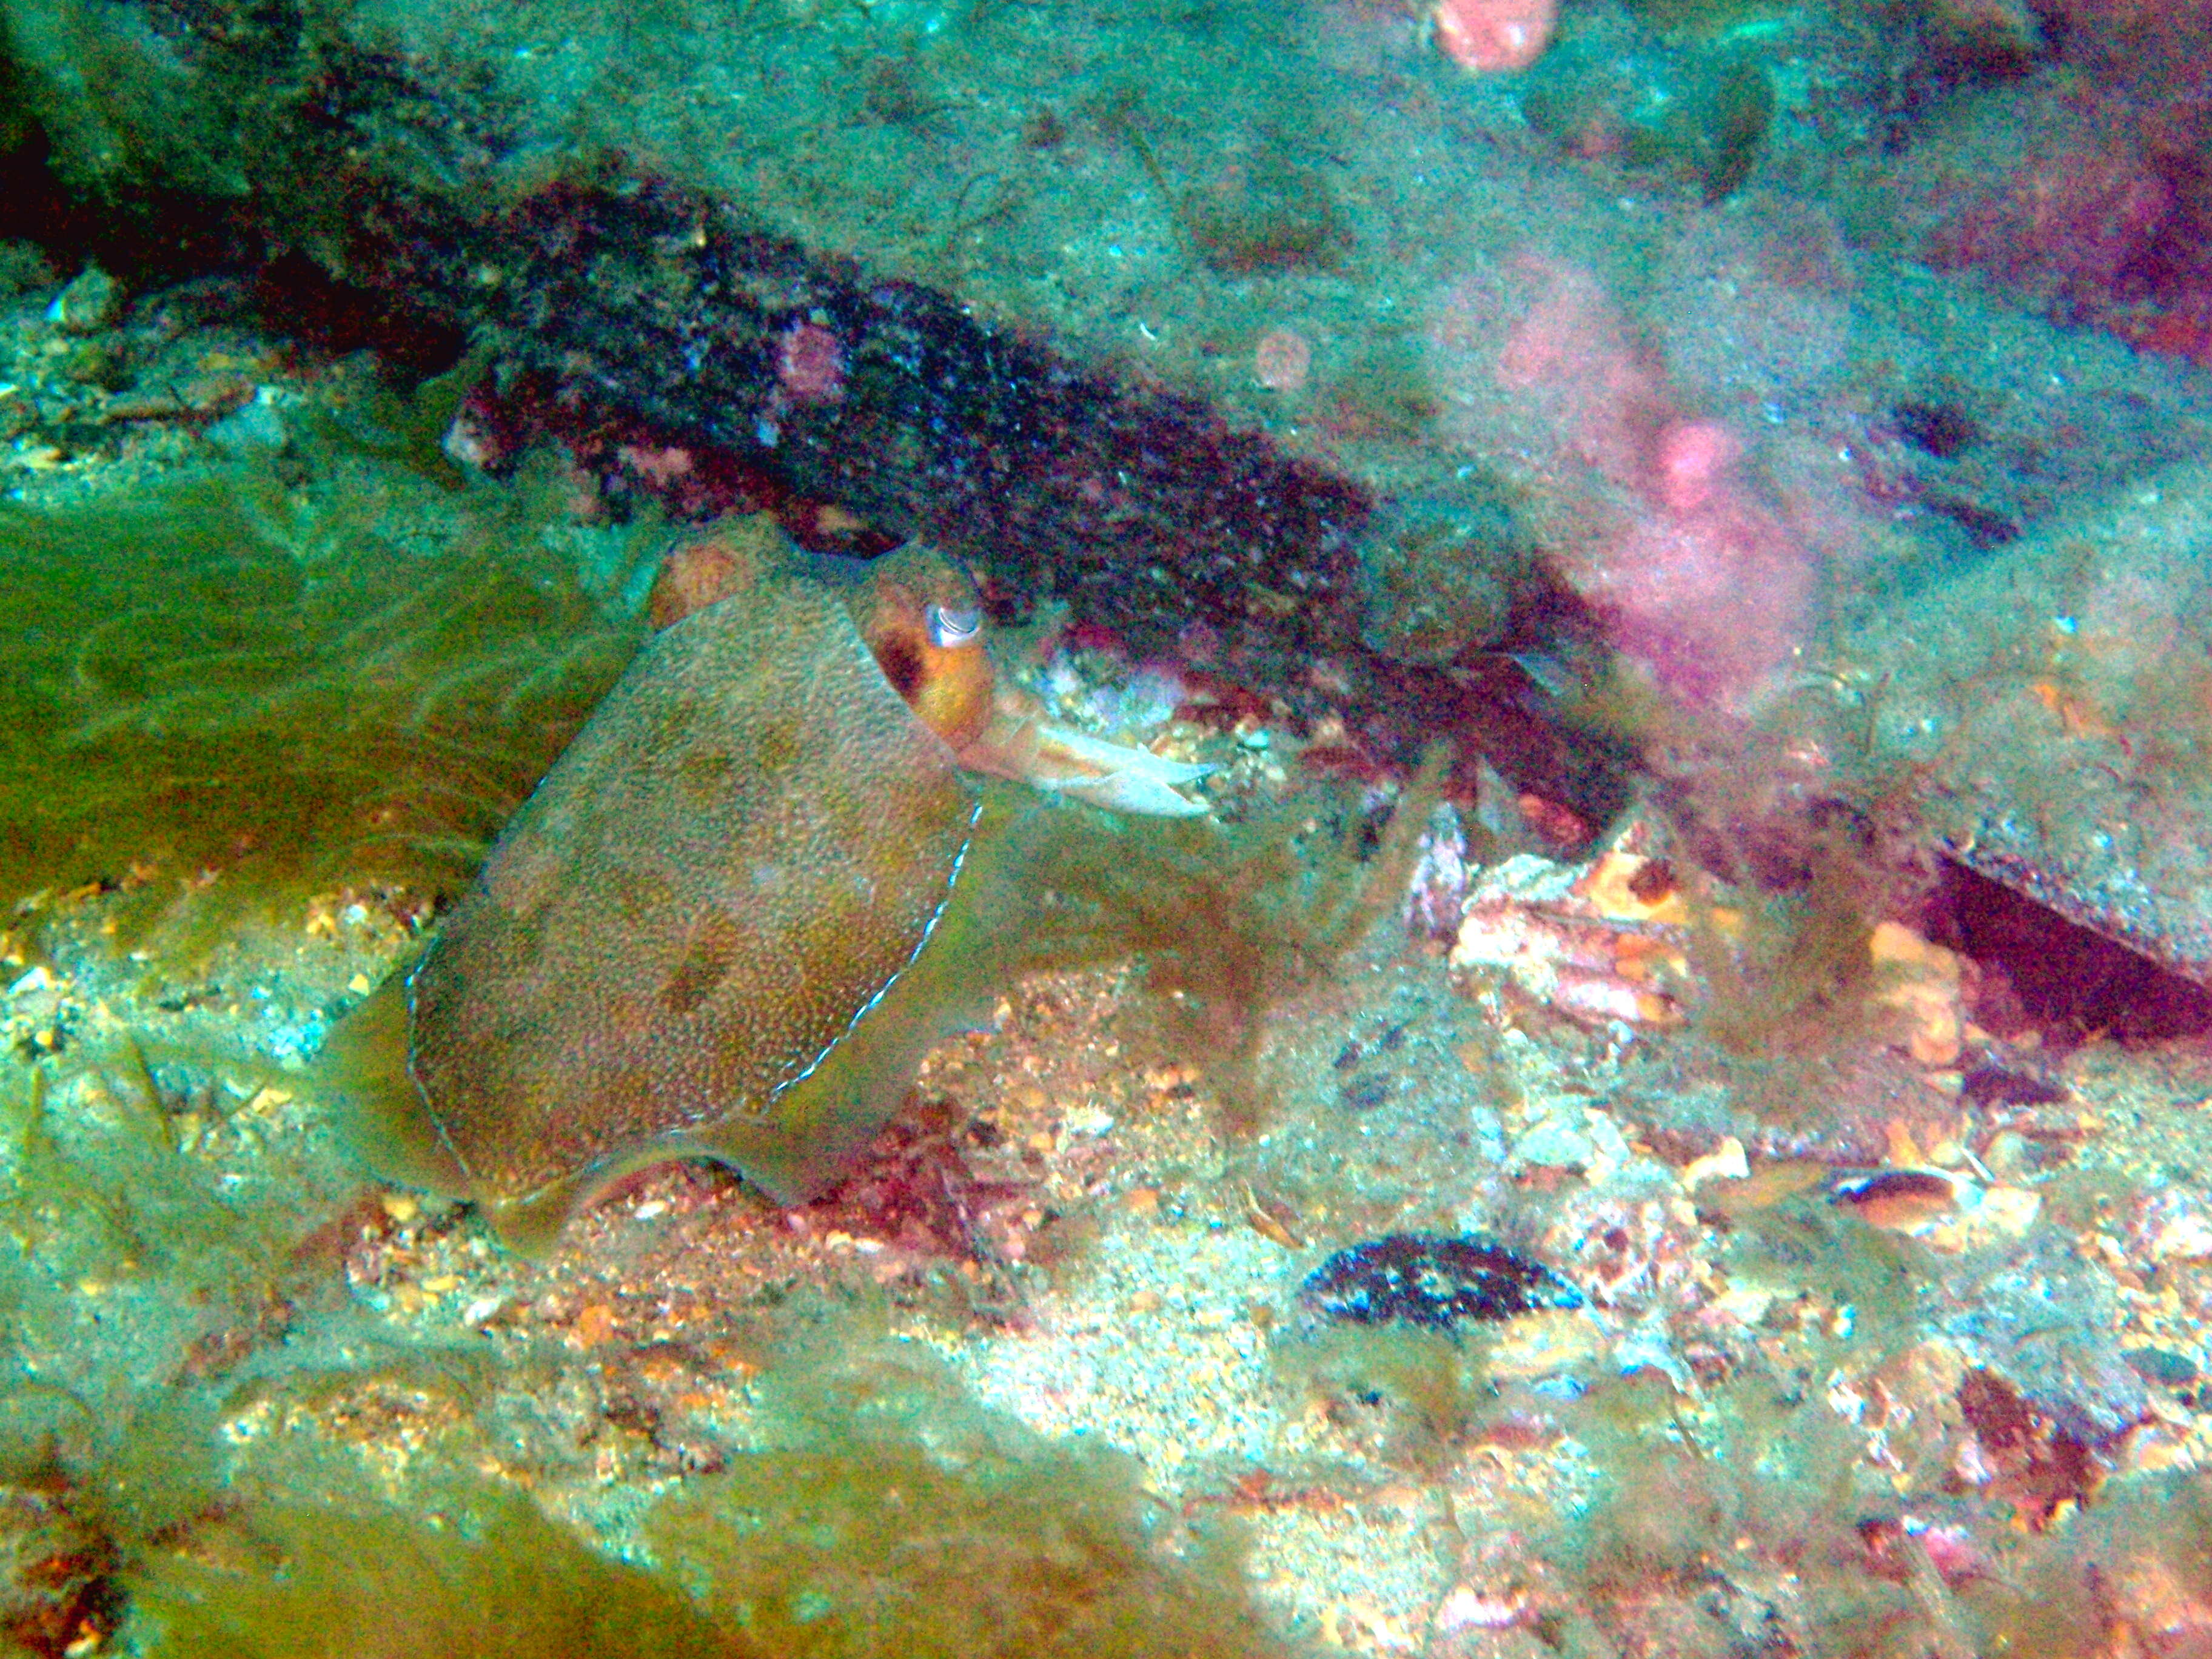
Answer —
1712 1161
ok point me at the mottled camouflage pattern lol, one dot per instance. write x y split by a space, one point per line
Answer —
750 841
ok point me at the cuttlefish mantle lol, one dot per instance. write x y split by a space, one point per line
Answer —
741 906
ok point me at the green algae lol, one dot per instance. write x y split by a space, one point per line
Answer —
134 1272
1413 1398
889 1516
177 1332
102 1200
1789 972
1697 117
1226 920
474 1568
227 694
1758 1488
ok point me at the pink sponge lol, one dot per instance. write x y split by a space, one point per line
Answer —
1712 595
1495 34
1696 575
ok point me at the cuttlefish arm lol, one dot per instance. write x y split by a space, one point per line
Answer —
1019 742
921 618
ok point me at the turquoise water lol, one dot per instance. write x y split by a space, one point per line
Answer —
1755 454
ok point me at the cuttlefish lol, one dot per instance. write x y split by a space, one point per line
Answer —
742 903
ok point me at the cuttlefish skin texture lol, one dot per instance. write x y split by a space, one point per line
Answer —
741 852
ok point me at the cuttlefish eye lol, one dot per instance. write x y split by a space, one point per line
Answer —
949 629
921 619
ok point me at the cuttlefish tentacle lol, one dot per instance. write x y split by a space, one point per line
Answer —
1020 744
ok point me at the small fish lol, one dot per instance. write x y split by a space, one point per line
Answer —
1898 1199
732 917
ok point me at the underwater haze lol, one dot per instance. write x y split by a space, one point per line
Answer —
917 828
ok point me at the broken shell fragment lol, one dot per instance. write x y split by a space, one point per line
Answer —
1581 941
1084 768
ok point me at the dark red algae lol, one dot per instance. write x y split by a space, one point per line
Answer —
1433 1280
